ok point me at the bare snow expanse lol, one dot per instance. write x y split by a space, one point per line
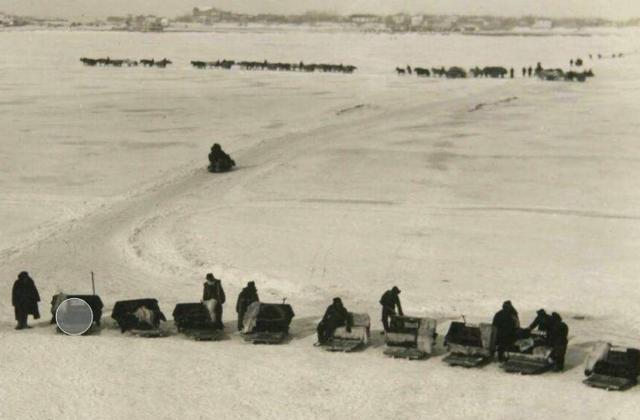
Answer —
346 186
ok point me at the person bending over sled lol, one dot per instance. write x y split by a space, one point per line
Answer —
390 300
213 290
335 316
25 298
219 161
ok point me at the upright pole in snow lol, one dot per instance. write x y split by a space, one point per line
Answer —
93 283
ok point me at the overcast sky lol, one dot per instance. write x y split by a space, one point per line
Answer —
613 9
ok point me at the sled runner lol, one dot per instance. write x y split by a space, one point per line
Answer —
196 321
141 317
612 368
357 339
94 302
469 345
267 323
410 338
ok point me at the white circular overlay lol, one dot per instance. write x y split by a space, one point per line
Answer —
74 316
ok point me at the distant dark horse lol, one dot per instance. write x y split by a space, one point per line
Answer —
422 72
163 63
400 71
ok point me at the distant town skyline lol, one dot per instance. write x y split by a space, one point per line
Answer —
609 9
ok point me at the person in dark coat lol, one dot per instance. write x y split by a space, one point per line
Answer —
213 290
247 296
335 316
558 340
542 322
512 73
507 324
25 298
218 156
390 300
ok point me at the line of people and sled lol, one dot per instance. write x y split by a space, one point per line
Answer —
498 72
539 347
25 299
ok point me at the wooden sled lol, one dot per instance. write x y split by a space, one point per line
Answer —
266 337
466 360
152 333
470 345
406 353
203 334
612 368
410 338
526 365
344 345
610 383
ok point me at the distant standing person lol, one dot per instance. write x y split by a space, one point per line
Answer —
25 298
529 71
247 296
511 73
524 72
213 290
507 324
390 300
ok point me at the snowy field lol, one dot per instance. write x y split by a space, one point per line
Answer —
346 185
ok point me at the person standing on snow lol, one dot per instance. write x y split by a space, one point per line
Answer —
558 339
247 296
507 323
25 298
390 300
213 290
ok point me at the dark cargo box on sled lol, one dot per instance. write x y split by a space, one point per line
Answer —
194 320
94 302
470 345
127 314
267 323
612 368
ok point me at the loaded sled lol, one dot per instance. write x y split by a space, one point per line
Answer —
410 338
267 323
141 317
221 165
348 341
529 355
612 368
94 302
197 321
470 345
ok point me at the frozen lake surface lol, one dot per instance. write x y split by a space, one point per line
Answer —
345 186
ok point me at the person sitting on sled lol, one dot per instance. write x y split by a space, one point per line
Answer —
335 316
219 159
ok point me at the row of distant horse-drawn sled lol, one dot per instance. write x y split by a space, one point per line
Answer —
275 66
468 345
125 62
494 72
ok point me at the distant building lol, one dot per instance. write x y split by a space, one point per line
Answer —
543 24
363 19
417 20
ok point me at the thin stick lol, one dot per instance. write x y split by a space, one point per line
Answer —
93 283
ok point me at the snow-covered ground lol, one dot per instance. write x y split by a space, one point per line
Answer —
346 185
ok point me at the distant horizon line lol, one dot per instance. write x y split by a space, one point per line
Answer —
339 14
